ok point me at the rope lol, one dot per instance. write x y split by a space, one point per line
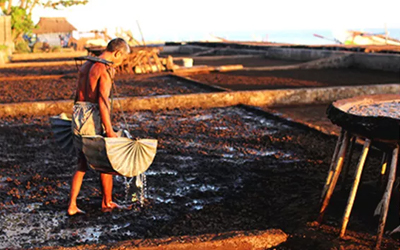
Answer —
114 90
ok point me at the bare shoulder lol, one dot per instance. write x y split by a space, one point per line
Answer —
84 69
99 69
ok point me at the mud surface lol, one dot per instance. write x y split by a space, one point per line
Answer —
64 88
311 115
216 170
257 80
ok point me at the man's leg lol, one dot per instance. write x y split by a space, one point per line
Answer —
76 185
107 185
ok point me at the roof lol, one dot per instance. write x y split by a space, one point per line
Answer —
53 25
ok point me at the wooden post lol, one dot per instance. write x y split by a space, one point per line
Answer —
347 165
338 169
331 167
386 197
353 192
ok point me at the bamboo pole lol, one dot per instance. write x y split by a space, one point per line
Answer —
353 192
347 165
386 197
338 169
331 167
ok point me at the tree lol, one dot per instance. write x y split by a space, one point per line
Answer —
21 12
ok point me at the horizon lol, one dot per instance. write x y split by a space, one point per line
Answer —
177 21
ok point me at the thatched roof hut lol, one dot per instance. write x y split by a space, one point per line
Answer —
52 29
48 25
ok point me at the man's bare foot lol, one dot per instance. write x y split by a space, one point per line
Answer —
73 211
112 206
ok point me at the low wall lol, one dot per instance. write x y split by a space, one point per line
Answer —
35 64
239 240
386 62
335 61
272 98
193 49
301 54
343 59
44 56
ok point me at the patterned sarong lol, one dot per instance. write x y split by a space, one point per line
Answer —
85 121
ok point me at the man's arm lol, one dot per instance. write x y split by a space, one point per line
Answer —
105 85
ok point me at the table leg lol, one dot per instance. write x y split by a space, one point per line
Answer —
336 173
353 192
386 197
331 167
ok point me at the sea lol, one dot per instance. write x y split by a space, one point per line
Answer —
307 37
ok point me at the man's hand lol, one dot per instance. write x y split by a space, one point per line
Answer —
111 134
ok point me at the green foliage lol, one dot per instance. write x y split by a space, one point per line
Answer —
21 22
3 47
63 3
22 47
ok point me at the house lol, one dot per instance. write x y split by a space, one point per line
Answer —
56 31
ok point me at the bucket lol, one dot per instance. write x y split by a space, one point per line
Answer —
120 156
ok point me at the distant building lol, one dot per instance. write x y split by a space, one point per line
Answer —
54 30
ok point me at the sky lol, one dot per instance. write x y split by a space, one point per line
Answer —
177 19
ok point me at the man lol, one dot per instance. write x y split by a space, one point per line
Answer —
92 113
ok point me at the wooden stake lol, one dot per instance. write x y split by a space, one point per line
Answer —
353 192
331 167
338 169
386 197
